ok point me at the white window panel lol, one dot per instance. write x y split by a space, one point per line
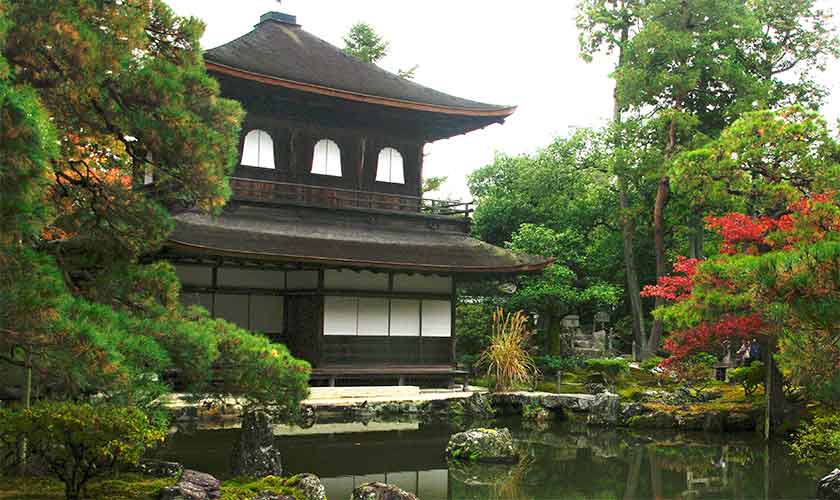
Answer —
326 158
346 279
251 278
233 308
437 318
405 318
302 280
266 313
389 166
194 275
373 316
258 150
340 315
422 284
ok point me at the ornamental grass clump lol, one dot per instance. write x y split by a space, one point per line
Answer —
507 358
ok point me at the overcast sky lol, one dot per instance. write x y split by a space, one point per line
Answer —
501 52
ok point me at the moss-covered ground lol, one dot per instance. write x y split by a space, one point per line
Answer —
121 487
133 487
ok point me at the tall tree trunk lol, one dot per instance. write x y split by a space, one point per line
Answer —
663 192
774 395
628 228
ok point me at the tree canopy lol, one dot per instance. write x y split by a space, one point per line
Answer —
97 98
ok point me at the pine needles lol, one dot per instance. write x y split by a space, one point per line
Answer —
507 358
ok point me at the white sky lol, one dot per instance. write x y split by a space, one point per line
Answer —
522 53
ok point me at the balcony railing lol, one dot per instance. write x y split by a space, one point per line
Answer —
305 194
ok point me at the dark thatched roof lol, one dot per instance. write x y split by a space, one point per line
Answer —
257 235
283 54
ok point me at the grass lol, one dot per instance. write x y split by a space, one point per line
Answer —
244 488
134 487
120 487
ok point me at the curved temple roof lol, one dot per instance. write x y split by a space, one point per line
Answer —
283 54
256 235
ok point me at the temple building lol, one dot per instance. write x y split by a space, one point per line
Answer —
327 244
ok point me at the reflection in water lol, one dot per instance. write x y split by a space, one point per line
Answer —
565 461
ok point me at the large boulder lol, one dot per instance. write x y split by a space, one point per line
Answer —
310 486
605 409
829 486
483 445
193 485
380 491
158 468
254 454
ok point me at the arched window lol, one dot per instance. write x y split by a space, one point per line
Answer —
389 166
258 150
326 159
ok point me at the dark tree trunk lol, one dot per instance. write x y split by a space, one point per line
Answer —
775 403
628 228
662 195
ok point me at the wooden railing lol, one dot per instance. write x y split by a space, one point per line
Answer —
322 196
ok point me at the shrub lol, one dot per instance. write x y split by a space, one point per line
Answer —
818 441
507 358
610 368
703 358
550 364
651 363
750 377
78 442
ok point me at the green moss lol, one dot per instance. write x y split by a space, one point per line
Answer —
244 488
121 487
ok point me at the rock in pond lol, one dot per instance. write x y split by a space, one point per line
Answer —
482 445
254 454
605 409
193 485
380 491
829 486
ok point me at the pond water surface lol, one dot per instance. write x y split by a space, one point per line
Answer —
561 462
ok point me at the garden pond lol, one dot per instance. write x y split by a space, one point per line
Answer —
564 460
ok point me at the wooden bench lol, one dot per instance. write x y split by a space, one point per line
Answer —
400 372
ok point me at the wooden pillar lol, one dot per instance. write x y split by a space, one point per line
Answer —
453 299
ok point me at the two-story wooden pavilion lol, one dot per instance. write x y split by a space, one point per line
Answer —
327 244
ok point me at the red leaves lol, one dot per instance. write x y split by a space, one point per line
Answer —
808 220
675 286
729 329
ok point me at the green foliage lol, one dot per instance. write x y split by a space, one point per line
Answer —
124 86
363 42
819 441
750 377
78 442
473 327
551 365
557 203
433 183
761 162
610 368
706 359
117 487
651 363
